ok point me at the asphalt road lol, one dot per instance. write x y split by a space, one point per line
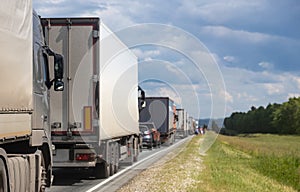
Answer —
80 180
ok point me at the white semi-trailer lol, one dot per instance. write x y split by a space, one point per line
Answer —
94 121
25 143
191 125
182 123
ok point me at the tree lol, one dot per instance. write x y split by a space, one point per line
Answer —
275 118
286 117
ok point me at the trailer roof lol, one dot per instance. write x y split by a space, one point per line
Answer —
159 98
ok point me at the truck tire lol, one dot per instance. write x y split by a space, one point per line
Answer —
136 150
3 177
101 170
150 145
18 173
116 168
111 169
44 174
111 159
141 147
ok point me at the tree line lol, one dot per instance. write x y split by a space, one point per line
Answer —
275 118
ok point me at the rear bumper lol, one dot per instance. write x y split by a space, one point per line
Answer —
73 164
67 158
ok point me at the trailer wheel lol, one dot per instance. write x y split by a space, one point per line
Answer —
44 174
150 145
18 173
141 147
3 177
111 169
111 159
101 170
136 150
116 166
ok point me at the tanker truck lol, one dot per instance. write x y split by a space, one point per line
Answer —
94 121
25 138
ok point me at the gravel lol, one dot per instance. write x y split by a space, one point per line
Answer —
176 172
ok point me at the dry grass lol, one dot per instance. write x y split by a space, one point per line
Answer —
280 145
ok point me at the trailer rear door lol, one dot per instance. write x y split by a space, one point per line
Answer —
73 110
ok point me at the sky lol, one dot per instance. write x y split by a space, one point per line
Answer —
212 57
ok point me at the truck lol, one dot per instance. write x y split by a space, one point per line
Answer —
25 138
94 121
191 125
162 112
182 123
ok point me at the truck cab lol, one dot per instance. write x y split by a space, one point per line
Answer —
25 139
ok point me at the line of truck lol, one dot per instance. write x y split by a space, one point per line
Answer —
70 98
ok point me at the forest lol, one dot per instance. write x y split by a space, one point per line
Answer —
275 119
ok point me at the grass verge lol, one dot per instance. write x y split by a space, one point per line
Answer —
260 163
175 172
252 163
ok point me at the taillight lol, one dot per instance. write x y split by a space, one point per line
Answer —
85 156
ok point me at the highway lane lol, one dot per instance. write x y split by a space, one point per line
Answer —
80 180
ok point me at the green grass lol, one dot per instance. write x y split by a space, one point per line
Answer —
252 163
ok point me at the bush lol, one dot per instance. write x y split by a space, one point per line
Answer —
228 132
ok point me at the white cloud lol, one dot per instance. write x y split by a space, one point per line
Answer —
228 97
250 88
220 11
291 95
54 1
240 35
229 59
146 55
112 16
247 97
266 65
297 81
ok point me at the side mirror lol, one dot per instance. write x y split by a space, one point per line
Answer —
143 104
58 72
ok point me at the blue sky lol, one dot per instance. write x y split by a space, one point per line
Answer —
255 45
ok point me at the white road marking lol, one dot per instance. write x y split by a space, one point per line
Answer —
132 166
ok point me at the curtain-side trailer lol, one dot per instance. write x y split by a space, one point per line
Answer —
25 143
161 111
94 121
